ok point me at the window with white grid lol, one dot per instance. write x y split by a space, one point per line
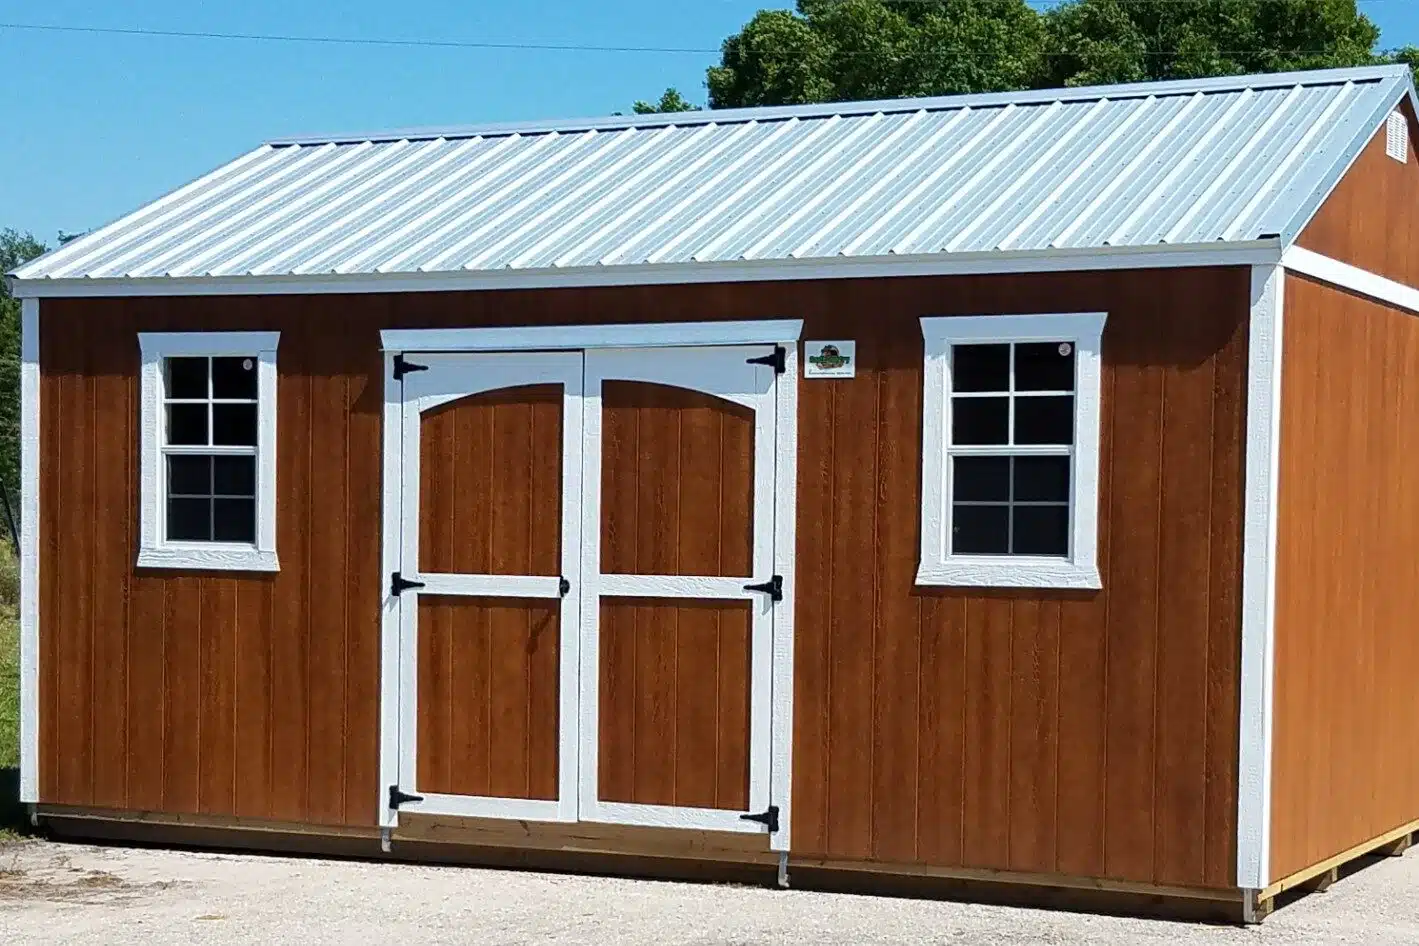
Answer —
209 405
1010 450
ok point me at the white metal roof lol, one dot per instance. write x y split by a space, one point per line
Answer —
1195 163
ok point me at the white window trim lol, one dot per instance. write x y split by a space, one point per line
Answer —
1080 569
154 550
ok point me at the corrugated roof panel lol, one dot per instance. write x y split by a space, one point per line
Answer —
1201 162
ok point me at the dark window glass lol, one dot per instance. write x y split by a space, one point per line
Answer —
235 476
1044 366
234 424
235 520
977 420
1041 530
981 478
980 367
187 378
1041 479
980 530
187 424
190 520
189 476
1044 420
234 378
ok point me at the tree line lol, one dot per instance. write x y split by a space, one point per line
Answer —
844 50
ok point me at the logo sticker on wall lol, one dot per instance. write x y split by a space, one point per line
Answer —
830 359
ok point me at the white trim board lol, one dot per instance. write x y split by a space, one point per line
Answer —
936 564
660 274
1308 263
154 549
571 337
29 551
1259 505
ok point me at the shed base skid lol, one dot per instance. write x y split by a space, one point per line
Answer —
1318 877
651 853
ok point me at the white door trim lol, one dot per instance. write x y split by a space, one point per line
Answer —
449 378
752 385
785 456
568 337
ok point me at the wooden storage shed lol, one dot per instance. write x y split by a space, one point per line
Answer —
1006 489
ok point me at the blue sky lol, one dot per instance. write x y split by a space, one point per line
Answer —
96 125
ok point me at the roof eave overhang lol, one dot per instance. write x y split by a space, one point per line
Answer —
1266 250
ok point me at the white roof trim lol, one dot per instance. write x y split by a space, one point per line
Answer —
957 264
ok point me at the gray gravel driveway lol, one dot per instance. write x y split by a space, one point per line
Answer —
66 893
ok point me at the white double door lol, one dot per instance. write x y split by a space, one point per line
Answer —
583 584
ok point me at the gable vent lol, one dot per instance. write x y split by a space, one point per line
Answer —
1397 137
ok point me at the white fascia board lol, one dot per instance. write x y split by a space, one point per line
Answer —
1263 454
29 551
631 335
1246 253
1308 263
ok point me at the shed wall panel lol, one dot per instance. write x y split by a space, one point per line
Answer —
1071 732
1347 576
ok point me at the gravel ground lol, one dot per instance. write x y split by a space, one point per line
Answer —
66 893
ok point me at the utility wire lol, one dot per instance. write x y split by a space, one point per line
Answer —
580 47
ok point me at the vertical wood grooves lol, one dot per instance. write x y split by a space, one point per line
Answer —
1347 582
887 756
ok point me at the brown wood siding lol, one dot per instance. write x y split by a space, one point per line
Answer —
677 482
1347 585
1091 734
490 484
1369 219
674 703
487 709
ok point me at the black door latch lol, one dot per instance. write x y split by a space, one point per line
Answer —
768 818
563 587
398 584
773 588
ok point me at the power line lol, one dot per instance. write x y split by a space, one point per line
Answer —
580 47
350 40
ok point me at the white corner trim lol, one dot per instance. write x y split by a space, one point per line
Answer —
154 550
1259 576
29 551
662 274
545 337
936 565
1362 281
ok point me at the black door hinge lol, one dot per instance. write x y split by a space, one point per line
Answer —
397 798
403 367
563 587
773 588
767 818
398 584
777 360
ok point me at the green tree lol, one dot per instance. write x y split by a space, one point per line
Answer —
839 50
1103 41
670 101
15 249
